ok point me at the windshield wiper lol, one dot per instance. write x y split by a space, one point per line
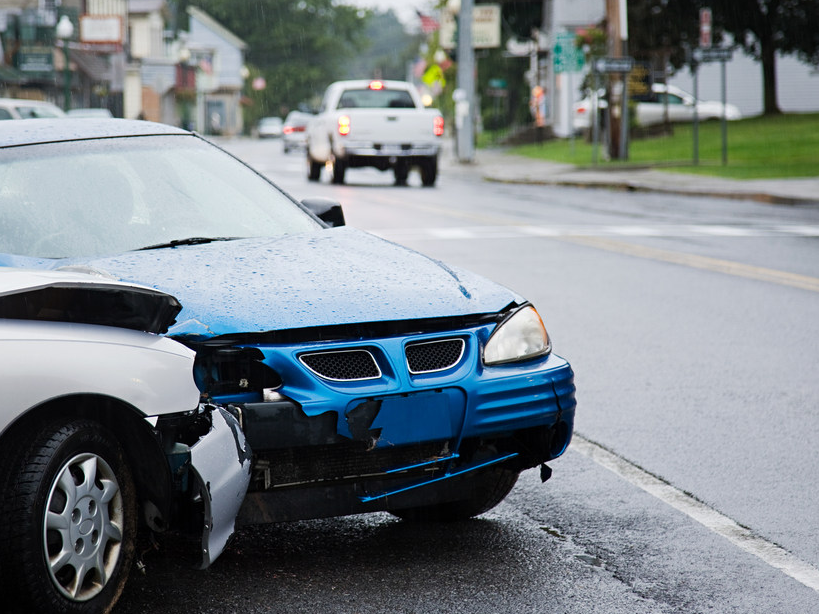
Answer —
188 241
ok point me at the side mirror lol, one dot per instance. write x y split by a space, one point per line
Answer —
327 210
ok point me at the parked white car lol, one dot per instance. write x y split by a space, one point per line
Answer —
678 103
20 108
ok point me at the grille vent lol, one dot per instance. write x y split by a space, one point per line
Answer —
342 365
432 356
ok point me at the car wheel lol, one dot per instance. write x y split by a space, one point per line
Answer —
429 172
313 169
69 516
401 172
489 488
339 170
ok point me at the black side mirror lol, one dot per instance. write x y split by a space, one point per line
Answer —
327 210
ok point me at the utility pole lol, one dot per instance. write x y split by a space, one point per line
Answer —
465 99
547 30
617 35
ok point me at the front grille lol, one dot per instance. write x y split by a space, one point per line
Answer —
432 356
342 365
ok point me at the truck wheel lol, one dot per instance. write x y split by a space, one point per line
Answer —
313 169
339 169
489 489
69 511
429 172
401 172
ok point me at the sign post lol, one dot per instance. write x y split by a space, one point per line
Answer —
721 55
620 66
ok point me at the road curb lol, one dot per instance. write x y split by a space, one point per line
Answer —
629 186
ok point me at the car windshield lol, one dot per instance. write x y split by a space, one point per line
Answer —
95 197
35 111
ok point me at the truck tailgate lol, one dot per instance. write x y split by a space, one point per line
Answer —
399 126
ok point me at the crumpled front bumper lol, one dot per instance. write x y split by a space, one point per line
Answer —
221 463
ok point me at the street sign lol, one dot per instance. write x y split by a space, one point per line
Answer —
705 28
714 54
566 56
486 27
615 65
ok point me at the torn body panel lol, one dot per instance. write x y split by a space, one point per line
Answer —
221 462
79 298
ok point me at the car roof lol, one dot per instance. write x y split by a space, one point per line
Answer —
27 101
52 130
365 84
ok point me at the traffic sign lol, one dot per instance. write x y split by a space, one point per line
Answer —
714 54
705 27
616 65
566 56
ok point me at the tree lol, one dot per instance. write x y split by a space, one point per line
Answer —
389 52
763 27
660 31
298 47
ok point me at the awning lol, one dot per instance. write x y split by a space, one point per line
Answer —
12 76
95 66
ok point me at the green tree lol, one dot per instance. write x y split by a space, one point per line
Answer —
661 30
763 27
390 49
298 47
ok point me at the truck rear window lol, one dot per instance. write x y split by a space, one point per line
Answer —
376 99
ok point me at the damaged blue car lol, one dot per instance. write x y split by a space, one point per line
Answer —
363 376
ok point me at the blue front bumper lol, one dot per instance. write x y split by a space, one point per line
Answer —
465 402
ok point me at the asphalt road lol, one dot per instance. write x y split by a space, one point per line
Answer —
691 324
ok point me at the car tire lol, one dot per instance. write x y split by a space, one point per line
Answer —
69 510
401 173
339 170
429 172
489 488
313 169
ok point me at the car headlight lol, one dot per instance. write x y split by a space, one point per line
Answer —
521 336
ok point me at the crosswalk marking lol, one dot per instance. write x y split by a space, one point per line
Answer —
581 230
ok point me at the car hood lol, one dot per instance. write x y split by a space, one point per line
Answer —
333 276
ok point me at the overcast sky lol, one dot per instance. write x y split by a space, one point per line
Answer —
404 9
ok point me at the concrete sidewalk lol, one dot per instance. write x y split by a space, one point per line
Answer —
498 166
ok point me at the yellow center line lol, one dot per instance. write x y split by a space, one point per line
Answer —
716 265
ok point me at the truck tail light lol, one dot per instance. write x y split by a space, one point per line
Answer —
438 126
344 125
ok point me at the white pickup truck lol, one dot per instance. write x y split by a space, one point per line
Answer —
381 124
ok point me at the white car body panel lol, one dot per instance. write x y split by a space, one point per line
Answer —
48 360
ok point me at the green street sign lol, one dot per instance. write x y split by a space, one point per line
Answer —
566 56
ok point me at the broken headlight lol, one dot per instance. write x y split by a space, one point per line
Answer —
519 337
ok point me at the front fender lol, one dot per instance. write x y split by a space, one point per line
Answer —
220 463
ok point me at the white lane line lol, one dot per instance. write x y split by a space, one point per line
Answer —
731 231
744 538
805 231
636 231
451 233
513 231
